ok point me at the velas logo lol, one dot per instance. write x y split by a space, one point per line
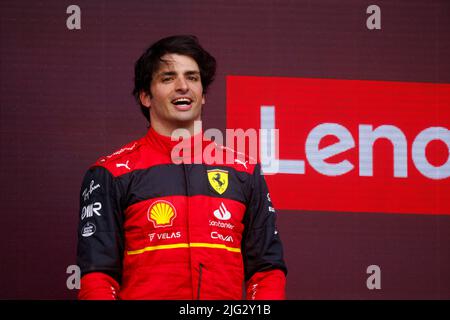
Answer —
161 213
164 235
348 145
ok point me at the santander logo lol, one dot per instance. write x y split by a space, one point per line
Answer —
222 213
348 145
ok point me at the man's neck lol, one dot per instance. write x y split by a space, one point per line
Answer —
174 130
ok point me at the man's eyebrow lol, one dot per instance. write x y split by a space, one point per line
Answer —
167 73
173 73
192 72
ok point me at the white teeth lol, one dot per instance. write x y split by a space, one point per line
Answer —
182 100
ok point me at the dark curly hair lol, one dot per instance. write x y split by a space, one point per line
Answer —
150 60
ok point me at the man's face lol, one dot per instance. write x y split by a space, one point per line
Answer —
176 94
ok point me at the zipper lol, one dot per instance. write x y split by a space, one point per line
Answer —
186 180
200 269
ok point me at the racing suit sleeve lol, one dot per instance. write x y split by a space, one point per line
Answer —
100 236
265 269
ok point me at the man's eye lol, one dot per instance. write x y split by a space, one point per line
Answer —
193 78
166 79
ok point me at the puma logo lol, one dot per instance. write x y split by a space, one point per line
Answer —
118 165
244 163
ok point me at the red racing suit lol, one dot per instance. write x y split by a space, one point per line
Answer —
151 228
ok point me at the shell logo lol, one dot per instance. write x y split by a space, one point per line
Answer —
161 213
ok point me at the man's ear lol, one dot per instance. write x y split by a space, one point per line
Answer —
203 98
145 98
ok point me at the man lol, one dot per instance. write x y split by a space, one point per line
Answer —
154 228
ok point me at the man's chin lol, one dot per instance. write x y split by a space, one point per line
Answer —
185 122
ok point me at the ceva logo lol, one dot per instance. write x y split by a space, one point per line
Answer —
349 145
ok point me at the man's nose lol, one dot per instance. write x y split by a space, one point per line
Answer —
181 85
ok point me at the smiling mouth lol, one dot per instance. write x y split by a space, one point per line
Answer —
182 103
